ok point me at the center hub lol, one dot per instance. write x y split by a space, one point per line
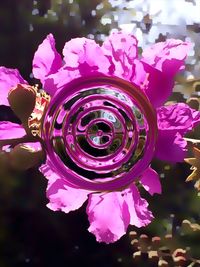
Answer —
100 133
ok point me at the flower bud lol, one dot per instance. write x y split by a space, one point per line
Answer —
186 226
23 157
180 261
22 100
135 242
153 255
163 263
144 242
193 102
196 86
133 234
137 255
179 252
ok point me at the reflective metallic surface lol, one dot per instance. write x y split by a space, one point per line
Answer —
100 133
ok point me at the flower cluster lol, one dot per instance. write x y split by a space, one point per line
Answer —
152 73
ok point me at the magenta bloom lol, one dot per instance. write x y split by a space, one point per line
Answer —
101 129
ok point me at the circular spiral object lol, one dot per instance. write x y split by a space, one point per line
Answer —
100 133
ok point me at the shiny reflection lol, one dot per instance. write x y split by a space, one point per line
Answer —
97 132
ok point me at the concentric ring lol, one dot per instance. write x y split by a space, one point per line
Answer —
100 133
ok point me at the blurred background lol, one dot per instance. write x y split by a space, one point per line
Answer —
31 234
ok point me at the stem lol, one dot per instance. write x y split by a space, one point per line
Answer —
16 141
194 141
174 224
27 138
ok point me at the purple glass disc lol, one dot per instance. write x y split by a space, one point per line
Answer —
100 133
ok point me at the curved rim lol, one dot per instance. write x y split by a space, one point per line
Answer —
110 184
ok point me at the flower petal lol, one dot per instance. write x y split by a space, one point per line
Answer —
177 118
46 60
167 56
174 121
82 56
85 55
34 146
157 86
8 79
59 80
150 181
120 45
163 60
138 207
61 196
105 227
121 50
10 130
126 207
170 146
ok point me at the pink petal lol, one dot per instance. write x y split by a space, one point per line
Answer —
121 50
120 45
85 55
46 60
6 148
8 78
34 146
167 56
60 79
150 181
163 60
174 121
82 57
139 75
138 207
110 213
108 216
157 86
60 195
177 118
150 80
170 146
10 130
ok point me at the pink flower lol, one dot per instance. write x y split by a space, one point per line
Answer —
110 212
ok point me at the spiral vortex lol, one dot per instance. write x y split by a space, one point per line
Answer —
100 133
